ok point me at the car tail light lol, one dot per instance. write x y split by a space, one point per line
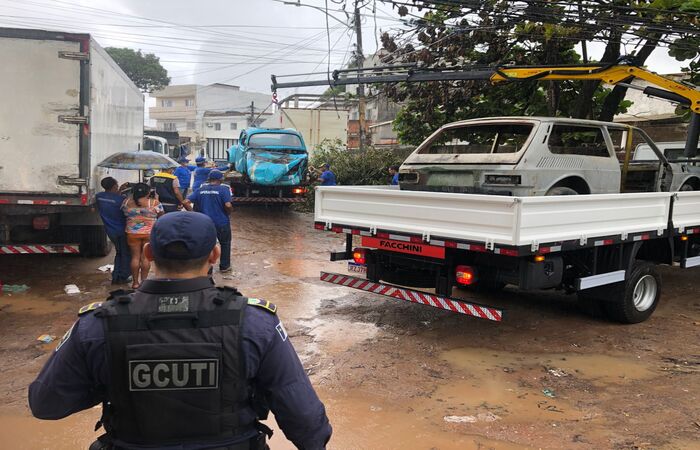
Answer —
359 255
465 275
299 190
41 222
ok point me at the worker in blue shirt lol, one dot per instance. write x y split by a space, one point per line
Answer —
201 173
184 175
109 205
394 172
327 176
214 199
180 363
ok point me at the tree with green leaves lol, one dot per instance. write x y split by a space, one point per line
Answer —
447 33
144 69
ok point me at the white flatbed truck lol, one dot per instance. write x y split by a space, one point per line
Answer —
605 248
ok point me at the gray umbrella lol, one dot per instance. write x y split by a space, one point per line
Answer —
138 160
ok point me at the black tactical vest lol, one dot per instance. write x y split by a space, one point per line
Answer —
164 188
177 374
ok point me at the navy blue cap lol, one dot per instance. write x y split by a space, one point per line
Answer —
195 230
183 159
200 159
216 175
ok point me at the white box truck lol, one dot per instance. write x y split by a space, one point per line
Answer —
66 107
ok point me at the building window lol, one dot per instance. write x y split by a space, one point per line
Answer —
169 126
217 126
166 103
234 126
190 125
189 102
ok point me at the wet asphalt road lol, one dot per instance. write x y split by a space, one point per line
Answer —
403 376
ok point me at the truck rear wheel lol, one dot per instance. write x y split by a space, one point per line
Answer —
638 297
561 190
94 241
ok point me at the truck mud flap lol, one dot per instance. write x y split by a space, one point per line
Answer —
39 249
410 295
267 200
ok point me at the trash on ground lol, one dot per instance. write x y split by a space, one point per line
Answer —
71 289
481 417
558 373
14 287
46 338
106 268
549 393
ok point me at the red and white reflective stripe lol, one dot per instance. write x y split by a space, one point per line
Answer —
552 249
641 237
35 248
692 231
604 242
409 295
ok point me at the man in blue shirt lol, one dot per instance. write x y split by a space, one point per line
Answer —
327 177
201 173
394 172
206 370
214 200
184 175
109 204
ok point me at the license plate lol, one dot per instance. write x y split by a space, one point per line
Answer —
411 248
358 268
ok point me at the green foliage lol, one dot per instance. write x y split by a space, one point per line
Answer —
494 32
144 69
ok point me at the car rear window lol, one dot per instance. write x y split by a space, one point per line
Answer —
479 139
274 140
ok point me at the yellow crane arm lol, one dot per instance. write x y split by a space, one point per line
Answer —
613 74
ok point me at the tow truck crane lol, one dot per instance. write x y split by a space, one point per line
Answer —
613 74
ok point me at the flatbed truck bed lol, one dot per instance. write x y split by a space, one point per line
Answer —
605 248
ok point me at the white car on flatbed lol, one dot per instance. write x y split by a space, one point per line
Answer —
606 248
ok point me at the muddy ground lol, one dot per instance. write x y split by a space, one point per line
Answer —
396 375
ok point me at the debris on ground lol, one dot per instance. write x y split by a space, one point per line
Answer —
71 289
14 288
558 373
481 417
46 338
106 268
549 393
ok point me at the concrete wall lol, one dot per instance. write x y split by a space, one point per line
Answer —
315 125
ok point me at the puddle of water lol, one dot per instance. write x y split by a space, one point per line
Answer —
305 268
598 369
28 433
337 336
295 300
27 303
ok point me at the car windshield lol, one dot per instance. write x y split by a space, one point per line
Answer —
479 139
274 140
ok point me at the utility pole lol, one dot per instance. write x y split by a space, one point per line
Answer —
360 60
252 114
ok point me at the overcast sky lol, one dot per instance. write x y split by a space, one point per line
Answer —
239 42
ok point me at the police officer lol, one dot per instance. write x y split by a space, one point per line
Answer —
180 363
167 187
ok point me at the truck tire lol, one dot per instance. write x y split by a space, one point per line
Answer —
561 190
637 298
94 241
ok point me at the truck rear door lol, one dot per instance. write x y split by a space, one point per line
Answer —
39 88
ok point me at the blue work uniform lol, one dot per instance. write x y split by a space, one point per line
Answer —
327 178
78 373
210 199
184 176
109 205
200 176
395 179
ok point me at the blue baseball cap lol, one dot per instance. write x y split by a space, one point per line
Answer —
194 230
216 175
183 159
200 159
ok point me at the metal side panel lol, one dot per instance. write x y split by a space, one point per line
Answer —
686 209
503 220
693 261
600 280
459 216
38 87
569 217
